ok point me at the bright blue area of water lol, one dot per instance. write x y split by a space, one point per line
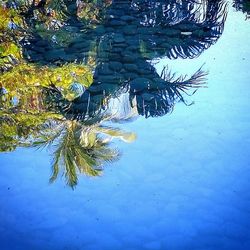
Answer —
183 184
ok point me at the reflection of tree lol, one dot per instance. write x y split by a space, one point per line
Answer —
158 28
126 35
52 32
242 5
78 147
21 116
152 95
28 77
159 100
18 128
181 29
51 49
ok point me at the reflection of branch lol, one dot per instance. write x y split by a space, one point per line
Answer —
181 34
158 98
78 148
30 12
242 5
80 151
182 84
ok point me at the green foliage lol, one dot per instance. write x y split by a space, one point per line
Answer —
25 78
77 147
10 51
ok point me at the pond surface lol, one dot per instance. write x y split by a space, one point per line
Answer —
127 129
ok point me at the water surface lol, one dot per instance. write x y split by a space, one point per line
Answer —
179 177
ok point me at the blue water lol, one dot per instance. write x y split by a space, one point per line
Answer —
183 184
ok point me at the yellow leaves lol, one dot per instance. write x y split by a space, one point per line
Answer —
9 19
9 48
4 17
26 119
67 74
8 130
91 11
33 119
30 75
7 16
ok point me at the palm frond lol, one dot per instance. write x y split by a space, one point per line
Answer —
56 163
177 86
70 168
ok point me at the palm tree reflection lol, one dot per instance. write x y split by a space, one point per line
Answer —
78 147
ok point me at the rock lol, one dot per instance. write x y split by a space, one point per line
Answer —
147 97
100 29
68 57
79 44
78 108
108 79
127 18
116 66
115 56
139 84
145 71
109 29
116 22
133 48
41 43
117 49
120 45
95 89
130 75
130 67
104 46
119 38
130 30
54 54
35 57
146 30
103 70
169 32
174 41
115 13
103 87
132 40
198 32
92 107
38 49
98 99
129 57
166 46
